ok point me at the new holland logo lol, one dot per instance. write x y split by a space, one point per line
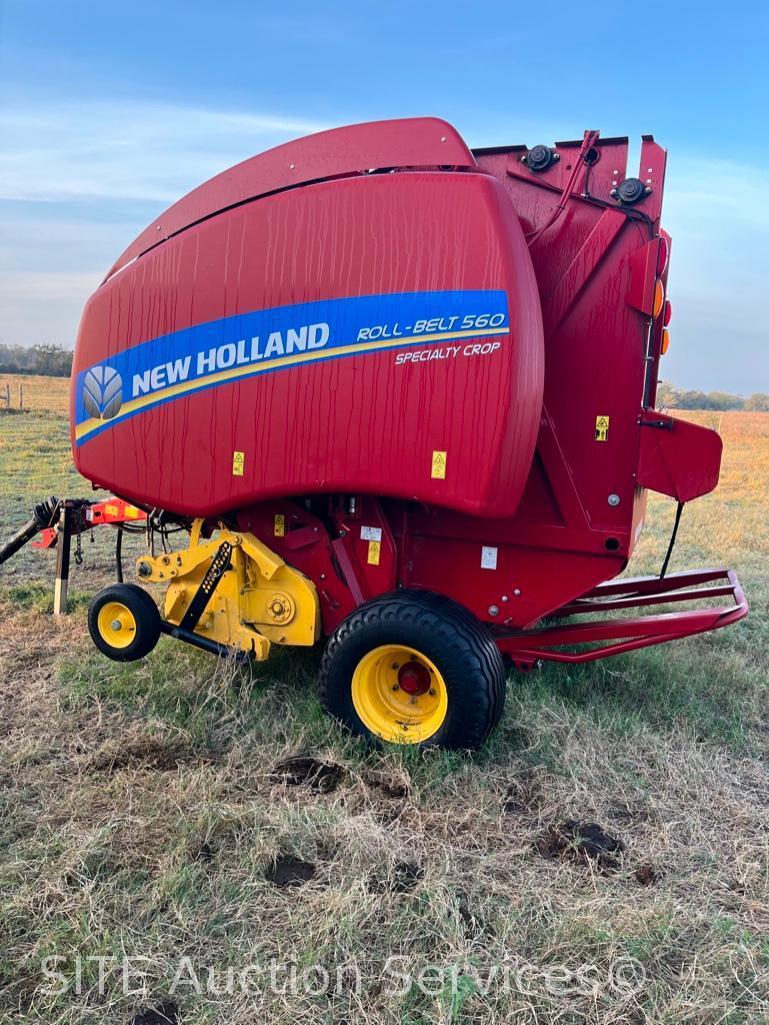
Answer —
102 392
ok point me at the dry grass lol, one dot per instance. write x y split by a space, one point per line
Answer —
140 816
40 394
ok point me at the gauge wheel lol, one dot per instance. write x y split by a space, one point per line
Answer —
414 668
124 622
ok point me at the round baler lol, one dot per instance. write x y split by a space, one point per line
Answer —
401 396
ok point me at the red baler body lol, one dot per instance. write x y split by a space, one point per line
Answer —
407 356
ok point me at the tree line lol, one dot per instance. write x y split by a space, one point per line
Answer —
51 360
679 398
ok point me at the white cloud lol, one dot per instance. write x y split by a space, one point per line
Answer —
134 151
80 181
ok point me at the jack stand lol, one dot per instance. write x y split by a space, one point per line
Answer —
63 545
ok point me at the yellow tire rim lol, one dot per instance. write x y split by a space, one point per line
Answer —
117 624
399 694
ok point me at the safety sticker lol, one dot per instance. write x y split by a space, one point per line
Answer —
439 465
488 558
602 428
374 551
279 529
238 463
371 533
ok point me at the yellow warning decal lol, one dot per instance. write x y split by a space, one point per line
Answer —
374 551
238 463
111 510
131 511
439 465
602 428
280 525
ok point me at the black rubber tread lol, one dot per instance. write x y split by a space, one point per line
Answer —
448 634
145 611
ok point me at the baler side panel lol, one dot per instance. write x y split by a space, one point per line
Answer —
337 419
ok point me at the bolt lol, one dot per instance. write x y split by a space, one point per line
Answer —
493 610
443 138
144 570
116 624
431 692
395 665
396 687
647 190
505 598
517 592
613 192
613 499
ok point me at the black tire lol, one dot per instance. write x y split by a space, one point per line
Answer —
458 644
144 632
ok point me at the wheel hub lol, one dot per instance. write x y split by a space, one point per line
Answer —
117 624
414 678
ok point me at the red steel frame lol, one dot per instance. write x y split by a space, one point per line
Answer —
525 647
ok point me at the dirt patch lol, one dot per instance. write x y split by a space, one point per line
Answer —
395 789
583 843
163 1014
322 777
287 870
146 752
647 875
205 852
402 878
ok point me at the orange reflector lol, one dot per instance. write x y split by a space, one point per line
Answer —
659 299
665 342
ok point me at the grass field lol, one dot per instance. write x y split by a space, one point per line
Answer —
142 819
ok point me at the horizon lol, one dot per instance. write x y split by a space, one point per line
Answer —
105 125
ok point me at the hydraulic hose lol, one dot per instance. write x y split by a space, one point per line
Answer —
42 517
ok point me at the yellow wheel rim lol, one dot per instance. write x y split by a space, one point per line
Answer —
117 624
399 694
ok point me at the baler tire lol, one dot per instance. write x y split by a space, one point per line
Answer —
140 617
447 637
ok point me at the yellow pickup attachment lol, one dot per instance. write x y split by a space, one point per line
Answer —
251 600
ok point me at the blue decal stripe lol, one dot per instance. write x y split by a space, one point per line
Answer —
234 348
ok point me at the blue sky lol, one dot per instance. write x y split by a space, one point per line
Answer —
109 112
